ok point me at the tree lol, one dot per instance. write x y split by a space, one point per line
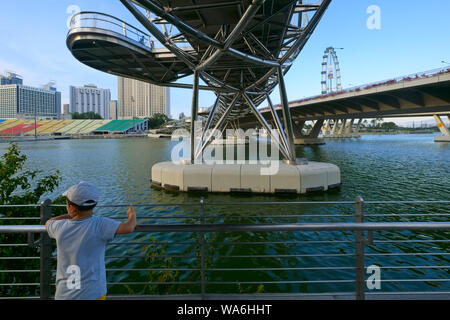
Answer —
20 186
389 126
157 120
86 116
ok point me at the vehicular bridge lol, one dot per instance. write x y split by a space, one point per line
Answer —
421 94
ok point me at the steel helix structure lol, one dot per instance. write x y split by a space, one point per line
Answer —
239 49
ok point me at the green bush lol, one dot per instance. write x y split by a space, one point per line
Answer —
21 186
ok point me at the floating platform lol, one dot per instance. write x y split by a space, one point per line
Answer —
247 178
442 139
308 141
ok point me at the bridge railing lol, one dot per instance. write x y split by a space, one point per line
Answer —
202 277
90 19
406 78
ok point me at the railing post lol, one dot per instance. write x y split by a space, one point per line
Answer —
45 255
124 29
359 248
202 249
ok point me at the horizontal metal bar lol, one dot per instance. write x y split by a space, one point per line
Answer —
286 256
152 243
153 269
278 242
19 258
416 267
20 298
20 205
296 227
153 283
408 254
423 226
281 269
22 229
20 218
19 271
19 284
247 203
150 257
283 282
410 241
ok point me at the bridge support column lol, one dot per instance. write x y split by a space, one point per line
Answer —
326 128
313 137
348 130
335 126
444 130
341 130
356 131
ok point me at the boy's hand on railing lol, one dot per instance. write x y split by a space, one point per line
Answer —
131 211
130 225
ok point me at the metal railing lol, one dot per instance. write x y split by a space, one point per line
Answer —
355 240
107 22
358 88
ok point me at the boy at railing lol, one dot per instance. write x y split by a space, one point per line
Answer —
81 240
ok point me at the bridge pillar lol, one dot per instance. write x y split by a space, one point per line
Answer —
312 138
348 130
444 130
335 126
341 130
326 128
358 126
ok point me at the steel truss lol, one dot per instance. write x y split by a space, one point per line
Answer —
241 50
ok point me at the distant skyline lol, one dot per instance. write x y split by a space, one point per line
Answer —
413 37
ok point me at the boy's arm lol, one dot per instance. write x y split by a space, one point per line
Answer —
130 225
65 216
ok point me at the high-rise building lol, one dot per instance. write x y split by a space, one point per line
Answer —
89 98
66 109
137 99
113 110
19 101
10 78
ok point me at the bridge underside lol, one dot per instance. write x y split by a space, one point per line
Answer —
240 49
420 97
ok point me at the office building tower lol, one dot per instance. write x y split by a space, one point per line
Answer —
24 102
137 99
89 98
113 110
10 78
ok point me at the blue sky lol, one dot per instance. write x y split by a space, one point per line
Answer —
414 37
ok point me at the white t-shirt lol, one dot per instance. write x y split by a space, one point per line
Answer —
81 247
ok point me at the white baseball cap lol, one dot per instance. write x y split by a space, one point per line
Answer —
84 194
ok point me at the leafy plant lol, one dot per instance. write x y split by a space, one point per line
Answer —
20 186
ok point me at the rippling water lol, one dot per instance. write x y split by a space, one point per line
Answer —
384 168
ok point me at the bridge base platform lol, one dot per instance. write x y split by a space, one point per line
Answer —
308 141
275 178
442 139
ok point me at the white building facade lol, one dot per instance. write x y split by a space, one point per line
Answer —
19 101
137 99
89 98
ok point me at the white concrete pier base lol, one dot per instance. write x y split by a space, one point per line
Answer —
308 141
442 139
247 178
